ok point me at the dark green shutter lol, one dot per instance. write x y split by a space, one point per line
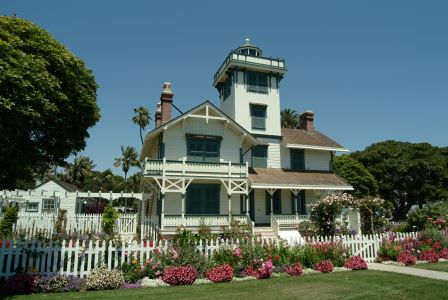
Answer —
277 203
268 203
203 199
297 159
293 199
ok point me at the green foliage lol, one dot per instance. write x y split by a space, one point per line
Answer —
141 118
407 173
422 217
109 220
132 271
237 231
104 181
61 222
78 171
127 160
354 173
9 219
373 215
47 101
289 118
324 211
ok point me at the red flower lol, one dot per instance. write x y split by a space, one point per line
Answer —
355 263
324 266
407 258
222 273
179 275
294 270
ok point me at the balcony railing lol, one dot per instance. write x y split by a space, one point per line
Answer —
195 169
248 59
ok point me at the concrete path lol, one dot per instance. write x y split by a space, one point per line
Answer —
409 271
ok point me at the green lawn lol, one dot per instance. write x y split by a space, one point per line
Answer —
439 266
343 285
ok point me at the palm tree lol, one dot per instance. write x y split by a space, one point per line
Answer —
289 118
127 160
77 172
141 118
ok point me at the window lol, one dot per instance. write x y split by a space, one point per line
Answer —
258 116
203 149
203 199
48 205
257 82
277 201
297 159
227 88
32 207
260 157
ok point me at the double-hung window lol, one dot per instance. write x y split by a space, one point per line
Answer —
260 157
257 82
32 206
258 116
48 205
203 148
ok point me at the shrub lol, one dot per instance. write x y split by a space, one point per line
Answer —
444 253
429 255
104 279
10 218
356 263
184 255
222 273
332 251
109 219
132 271
390 249
264 271
428 215
294 269
20 283
407 258
58 283
185 275
152 268
324 266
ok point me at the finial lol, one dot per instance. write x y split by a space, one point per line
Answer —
166 87
247 41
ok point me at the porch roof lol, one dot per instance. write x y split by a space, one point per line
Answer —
290 179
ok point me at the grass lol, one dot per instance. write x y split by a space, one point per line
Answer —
343 285
438 266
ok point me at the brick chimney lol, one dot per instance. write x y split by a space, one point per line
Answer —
166 100
306 121
158 115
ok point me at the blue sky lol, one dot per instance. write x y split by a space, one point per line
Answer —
370 70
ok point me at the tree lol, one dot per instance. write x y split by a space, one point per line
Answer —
79 170
141 118
354 173
289 118
407 173
127 160
47 101
104 181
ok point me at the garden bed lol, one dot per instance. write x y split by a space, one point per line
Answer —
357 285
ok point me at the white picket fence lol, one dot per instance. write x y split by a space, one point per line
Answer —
80 257
30 225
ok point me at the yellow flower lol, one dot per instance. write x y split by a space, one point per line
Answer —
134 261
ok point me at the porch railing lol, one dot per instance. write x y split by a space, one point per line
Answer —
287 221
195 169
174 221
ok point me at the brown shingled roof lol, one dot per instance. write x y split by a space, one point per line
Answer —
296 179
303 137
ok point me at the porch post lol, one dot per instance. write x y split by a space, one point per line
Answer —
247 204
295 205
271 195
142 216
183 209
162 209
230 208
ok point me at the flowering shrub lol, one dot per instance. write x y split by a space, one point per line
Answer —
407 258
104 279
356 263
324 266
323 212
294 269
222 273
179 275
444 253
264 271
132 271
152 268
58 283
429 256
390 249
20 283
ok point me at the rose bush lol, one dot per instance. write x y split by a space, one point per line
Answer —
407 258
324 266
294 269
184 275
356 263
222 273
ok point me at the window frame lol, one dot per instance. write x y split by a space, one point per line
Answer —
257 82
258 157
201 151
27 209
46 208
297 162
258 115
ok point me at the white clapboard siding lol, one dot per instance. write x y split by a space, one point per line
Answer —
317 160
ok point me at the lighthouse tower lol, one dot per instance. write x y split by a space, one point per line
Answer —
249 89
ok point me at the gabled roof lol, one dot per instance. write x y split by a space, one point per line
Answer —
299 138
65 185
213 110
288 179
